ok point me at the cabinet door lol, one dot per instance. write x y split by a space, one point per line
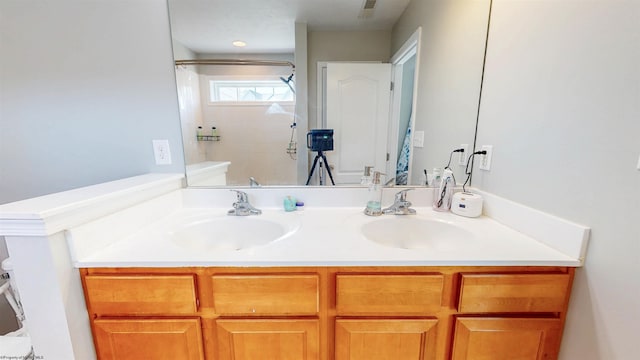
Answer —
249 339
378 339
158 339
506 339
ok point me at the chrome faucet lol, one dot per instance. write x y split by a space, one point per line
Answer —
242 207
401 206
253 182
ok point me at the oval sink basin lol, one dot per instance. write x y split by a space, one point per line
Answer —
230 233
408 232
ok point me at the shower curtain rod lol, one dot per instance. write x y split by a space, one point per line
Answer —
235 62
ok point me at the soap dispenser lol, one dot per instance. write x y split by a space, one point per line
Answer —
366 178
374 202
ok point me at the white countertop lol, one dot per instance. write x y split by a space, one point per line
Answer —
125 224
330 237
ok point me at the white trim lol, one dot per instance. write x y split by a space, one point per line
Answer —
562 235
251 103
253 80
53 213
410 48
321 73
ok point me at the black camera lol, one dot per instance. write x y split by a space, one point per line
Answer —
320 140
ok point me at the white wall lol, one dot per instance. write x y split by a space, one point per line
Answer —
190 103
84 88
254 141
561 106
449 76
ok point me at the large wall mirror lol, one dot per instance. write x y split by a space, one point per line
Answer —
241 90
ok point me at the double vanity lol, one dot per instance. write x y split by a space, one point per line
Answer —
144 268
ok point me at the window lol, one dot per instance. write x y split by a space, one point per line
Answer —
249 91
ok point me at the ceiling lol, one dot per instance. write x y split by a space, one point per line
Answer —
267 26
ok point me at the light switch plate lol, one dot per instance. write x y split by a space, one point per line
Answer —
418 139
638 166
162 152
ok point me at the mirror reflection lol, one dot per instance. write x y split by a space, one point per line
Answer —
247 123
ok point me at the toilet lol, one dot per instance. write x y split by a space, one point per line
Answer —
16 344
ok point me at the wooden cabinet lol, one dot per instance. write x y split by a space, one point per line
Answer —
285 339
122 306
394 296
135 339
141 294
388 294
380 339
506 338
508 293
272 294
238 298
326 313
540 300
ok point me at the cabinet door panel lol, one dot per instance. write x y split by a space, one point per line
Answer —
388 294
158 339
481 293
249 339
506 339
141 294
379 339
276 294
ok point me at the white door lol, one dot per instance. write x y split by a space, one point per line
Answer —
358 97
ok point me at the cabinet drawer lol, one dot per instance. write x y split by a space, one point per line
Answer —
141 294
388 294
482 293
266 294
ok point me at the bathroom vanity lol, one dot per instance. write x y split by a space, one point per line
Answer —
328 312
144 268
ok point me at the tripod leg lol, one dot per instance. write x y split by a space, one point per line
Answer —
326 165
315 161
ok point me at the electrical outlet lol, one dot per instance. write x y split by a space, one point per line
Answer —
162 152
462 160
638 166
485 160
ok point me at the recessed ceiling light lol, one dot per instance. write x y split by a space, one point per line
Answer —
239 43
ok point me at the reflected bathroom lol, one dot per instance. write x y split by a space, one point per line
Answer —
238 120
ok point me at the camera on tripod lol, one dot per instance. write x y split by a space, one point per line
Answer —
320 140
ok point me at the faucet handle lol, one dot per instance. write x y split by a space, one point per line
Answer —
402 195
242 196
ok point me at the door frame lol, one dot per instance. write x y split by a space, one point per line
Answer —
408 49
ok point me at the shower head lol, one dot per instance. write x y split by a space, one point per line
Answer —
288 82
